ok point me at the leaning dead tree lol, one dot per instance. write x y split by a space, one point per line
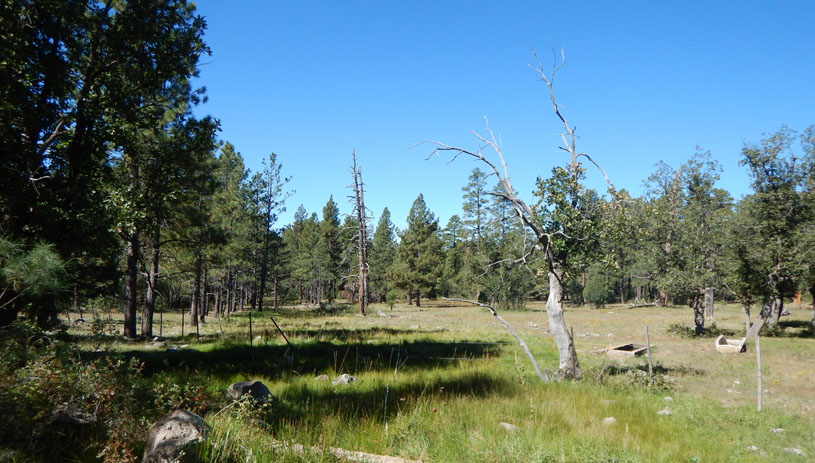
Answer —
552 242
361 235
544 376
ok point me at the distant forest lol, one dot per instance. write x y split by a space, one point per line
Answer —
113 193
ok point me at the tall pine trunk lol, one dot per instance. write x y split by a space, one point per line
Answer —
152 286
131 283
195 305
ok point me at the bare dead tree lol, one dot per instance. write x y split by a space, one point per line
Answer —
568 362
361 235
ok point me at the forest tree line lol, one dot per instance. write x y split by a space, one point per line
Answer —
111 188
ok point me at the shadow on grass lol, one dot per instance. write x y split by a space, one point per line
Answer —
790 329
310 358
353 402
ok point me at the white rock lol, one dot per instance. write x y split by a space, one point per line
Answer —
665 411
609 420
344 378
794 451
509 427
776 430
753 448
669 398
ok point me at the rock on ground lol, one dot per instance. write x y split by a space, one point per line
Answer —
609 420
794 451
509 427
173 438
344 378
665 411
256 389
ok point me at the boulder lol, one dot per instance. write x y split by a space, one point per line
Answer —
344 378
174 437
255 389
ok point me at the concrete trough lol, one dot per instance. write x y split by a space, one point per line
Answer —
627 350
731 346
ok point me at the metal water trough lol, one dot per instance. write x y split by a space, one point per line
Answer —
731 346
627 350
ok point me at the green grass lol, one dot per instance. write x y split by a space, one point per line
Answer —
443 378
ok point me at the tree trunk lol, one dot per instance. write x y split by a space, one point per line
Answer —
698 315
812 293
776 309
195 304
709 303
554 309
131 284
746 318
152 282
662 300
418 298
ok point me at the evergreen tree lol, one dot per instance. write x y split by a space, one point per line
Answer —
331 234
381 257
419 255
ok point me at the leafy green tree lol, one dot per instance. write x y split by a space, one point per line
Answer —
80 82
779 214
419 254
694 215
382 256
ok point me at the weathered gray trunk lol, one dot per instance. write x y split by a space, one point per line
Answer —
554 309
131 284
709 303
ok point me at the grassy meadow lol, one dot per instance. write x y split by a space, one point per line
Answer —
445 383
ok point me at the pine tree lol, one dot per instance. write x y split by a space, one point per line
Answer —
382 256
420 256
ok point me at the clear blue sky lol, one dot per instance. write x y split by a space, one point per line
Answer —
643 82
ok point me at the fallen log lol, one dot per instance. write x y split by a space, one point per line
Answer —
351 455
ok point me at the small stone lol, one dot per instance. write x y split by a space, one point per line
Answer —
665 411
509 427
736 382
609 420
344 378
322 378
753 448
669 398
776 430
794 451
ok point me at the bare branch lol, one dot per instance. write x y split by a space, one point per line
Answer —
543 377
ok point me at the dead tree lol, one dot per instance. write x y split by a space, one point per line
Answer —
361 235
568 362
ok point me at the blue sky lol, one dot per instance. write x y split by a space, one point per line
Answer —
643 82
